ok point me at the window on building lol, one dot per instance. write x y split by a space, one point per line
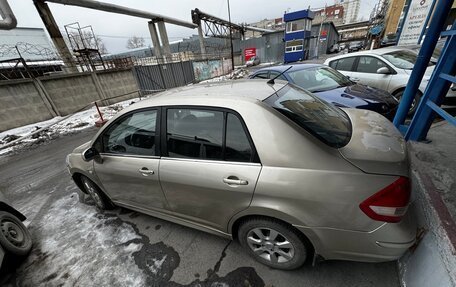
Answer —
296 25
294 46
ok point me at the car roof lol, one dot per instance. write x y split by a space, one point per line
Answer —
295 67
378 52
239 90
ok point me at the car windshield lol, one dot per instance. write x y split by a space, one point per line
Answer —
324 121
319 79
402 59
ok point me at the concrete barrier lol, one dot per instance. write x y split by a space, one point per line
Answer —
29 101
21 104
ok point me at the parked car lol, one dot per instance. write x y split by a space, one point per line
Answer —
253 61
334 48
355 46
342 47
270 164
333 87
389 40
15 239
388 69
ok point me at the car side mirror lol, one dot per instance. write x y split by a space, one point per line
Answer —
383 70
90 154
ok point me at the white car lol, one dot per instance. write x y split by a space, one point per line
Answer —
388 69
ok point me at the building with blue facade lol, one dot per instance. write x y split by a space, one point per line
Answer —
297 35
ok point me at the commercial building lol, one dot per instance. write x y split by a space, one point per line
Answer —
351 10
297 35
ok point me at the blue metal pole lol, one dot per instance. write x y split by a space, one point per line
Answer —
439 17
423 31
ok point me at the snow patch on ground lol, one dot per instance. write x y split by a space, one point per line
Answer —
156 264
81 247
236 74
79 121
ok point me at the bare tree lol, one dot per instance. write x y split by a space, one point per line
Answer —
86 40
135 42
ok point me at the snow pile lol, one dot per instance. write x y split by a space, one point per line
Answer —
234 75
58 127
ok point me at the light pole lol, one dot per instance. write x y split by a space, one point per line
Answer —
319 33
231 37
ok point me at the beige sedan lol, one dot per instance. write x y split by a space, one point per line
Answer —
288 175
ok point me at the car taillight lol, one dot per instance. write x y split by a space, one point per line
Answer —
390 203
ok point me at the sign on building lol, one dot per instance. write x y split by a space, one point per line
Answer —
415 21
249 53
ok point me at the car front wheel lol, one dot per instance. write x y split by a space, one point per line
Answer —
14 237
273 243
416 101
100 199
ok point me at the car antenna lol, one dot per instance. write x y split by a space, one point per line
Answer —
271 81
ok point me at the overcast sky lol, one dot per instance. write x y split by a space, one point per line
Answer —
115 29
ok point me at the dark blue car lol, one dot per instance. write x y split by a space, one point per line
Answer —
333 87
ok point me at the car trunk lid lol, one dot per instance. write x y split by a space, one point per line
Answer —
376 146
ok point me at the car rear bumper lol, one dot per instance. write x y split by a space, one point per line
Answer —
386 243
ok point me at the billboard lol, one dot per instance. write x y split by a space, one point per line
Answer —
414 22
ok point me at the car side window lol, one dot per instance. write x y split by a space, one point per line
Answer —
193 133
369 65
345 64
238 147
333 64
133 134
272 75
263 75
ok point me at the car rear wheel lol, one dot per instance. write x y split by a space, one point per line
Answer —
14 237
416 101
273 243
100 199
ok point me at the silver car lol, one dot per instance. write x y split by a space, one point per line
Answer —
287 174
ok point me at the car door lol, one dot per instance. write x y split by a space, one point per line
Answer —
129 165
209 168
366 71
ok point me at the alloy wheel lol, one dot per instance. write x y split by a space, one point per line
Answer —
270 245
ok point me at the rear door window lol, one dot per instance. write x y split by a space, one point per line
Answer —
193 133
345 64
208 135
273 74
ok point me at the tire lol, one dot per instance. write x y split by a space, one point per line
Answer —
14 236
100 199
287 250
416 101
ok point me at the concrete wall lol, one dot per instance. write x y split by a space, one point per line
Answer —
29 101
21 104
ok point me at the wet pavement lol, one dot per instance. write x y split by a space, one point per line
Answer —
76 245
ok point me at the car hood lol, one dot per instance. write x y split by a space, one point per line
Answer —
357 95
376 146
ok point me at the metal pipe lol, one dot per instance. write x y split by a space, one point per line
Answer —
256 29
9 20
113 8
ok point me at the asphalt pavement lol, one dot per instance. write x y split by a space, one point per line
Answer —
76 245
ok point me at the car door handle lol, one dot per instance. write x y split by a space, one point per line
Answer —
354 79
145 171
235 181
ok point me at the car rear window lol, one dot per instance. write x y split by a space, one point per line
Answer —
327 123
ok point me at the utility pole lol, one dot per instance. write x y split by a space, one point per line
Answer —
231 36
